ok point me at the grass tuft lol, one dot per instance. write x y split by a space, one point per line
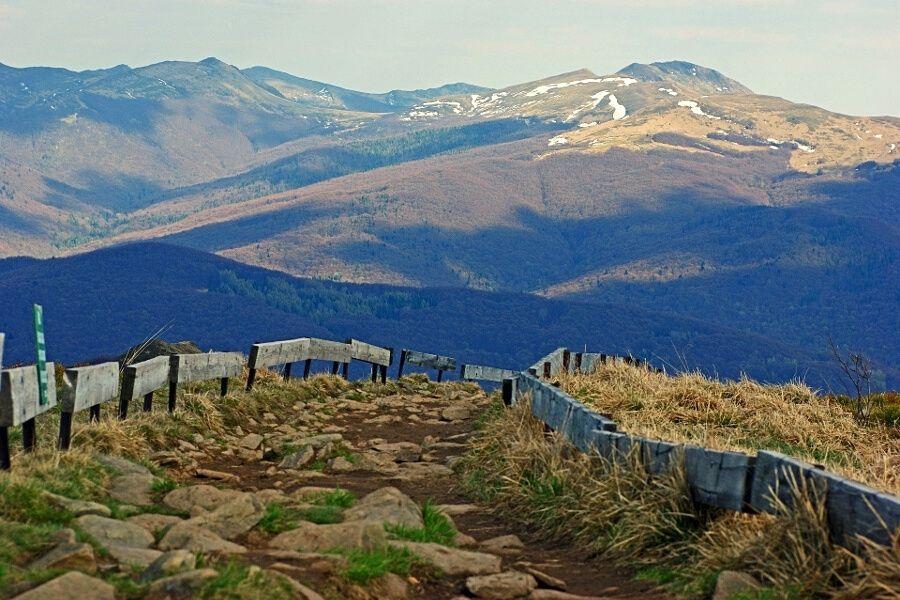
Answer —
365 565
438 528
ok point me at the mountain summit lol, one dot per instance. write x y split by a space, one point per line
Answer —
701 79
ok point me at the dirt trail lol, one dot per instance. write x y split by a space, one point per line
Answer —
434 422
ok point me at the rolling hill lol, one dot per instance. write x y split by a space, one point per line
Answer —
667 186
98 303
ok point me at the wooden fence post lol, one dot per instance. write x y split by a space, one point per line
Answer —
224 386
251 377
400 365
287 371
173 395
306 367
65 430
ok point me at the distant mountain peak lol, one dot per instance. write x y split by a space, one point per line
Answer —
688 74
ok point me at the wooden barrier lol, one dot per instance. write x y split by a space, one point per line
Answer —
483 373
289 352
428 361
85 388
380 358
185 368
722 479
20 404
141 380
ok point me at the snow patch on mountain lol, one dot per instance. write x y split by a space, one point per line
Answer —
669 91
558 141
619 111
695 108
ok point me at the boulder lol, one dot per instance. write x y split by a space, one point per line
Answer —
71 557
501 586
309 537
153 522
110 532
455 413
183 583
453 561
543 579
205 496
232 519
122 466
76 507
340 464
197 539
318 441
251 441
298 459
71 585
388 505
731 583
168 564
139 557
300 591
132 488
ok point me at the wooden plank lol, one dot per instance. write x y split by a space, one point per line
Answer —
269 354
1 350
329 351
555 359
84 387
203 367
19 396
145 377
484 373
374 355
430 361
718 478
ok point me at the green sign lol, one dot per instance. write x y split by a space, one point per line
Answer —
41 353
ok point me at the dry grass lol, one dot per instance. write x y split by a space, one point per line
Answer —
742 415
619 512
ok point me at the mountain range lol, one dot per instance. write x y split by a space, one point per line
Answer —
667 187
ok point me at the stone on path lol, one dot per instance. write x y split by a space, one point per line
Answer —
139 557
301 592
388 505
501 586
77 507
110 532
153 522
503 544
251 441
73 584
72 557
183 583
205 496
132 488
309 537
455 413
453 561
298 459
326 564
340 464
197 539
231 519
730 583
543 579
217 475
168 564
454 510
122 465
421 470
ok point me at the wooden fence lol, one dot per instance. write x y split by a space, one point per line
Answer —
722 479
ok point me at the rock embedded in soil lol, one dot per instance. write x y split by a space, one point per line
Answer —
298 459
341 465
183 583
731 583
455 510
453 561
132 488
543 594
501 586
543 579
77 507
251 441
456 413
168 564
197 539
139 557
309 537
231 519
153 522
205 496
110 532
71 585
388 505
71 557
122 465
219 475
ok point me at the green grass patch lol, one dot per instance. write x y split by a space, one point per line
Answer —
162 486
279 518
438 528
364 566
338 497
237 581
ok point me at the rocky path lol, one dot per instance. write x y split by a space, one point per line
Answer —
268 495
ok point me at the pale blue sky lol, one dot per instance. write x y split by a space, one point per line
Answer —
842 55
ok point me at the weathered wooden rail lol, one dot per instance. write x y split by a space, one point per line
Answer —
722 479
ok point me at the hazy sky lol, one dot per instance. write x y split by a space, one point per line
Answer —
842 55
